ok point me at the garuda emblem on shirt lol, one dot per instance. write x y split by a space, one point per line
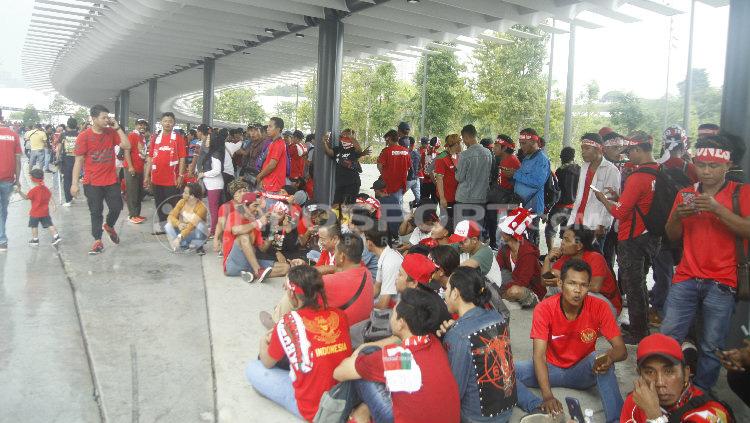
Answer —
324 329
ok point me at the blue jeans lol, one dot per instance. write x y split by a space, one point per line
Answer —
399 196
273 384
716 302
378 399
36 159
580 376
663 266
195 239
6 189
236 260
413 185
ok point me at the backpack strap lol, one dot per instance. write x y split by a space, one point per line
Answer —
676 415
356 294
738 242
636 209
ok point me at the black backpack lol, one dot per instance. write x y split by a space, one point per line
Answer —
665 191
552 191
676 415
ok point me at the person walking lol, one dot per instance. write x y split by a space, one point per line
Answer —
134 160
10 171
68 157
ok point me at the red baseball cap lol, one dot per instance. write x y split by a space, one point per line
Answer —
659 345
419 267
249 197
465 229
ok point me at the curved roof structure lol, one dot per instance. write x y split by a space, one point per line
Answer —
89 50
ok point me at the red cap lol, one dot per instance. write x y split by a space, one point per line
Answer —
661 345
465 229
249 197
419 267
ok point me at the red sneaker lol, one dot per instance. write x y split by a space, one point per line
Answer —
112 233
97 248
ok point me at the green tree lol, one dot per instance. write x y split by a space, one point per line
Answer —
30 115
237 105
81 115
287 111
705 99
627 113
587 116
446 91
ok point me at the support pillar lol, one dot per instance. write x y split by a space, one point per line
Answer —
151 117
689 77
330 61
117 108
124 108
569 94
735 116
209 74
548 106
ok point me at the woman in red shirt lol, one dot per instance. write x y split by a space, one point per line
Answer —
445 174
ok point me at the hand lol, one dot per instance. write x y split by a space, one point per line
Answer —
554 253
600 196
706 203
263 220
444 327
268 336
176 243
147 182
736 359
682 211
179 181
603 367
599 232
131 169
646 398
181 225
443 204
217 245
551 405
113 123
73 189
367 151
259 183
551 282
611 193
327 138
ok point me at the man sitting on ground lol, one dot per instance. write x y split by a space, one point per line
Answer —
237 189
474 253
241 234
389 263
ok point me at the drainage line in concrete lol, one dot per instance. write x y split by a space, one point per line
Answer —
210 344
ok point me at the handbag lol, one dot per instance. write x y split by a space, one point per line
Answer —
743 264
336 404
378 326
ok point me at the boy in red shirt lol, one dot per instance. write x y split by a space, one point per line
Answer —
393 164
272 176
564 329
40 197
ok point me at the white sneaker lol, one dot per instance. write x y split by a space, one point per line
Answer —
68 204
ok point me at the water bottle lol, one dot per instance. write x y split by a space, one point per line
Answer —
588 415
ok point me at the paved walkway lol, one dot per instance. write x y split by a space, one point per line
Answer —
138 334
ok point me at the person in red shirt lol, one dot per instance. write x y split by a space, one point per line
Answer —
95 151
10 172
134 160
393 164
272 176
635 244
564 331
40 197
237 189
663 391
313 336
518 260
165 167
242 233
445 174
709 225
407 377
298 155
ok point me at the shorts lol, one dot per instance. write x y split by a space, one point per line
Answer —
558 216
34 222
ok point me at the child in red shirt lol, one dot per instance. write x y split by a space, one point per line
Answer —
40 197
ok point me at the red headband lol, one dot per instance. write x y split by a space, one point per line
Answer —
528 137
37 180
713 155
591 143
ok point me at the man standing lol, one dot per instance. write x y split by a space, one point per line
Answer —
96 146
297 155
37 139
473 176
67 157
394 163
272 176
412 177
10 172
531 177
134 157
164 168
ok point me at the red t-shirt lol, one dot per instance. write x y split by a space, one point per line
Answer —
396 162
234 218
570 341
709 250
39 196
340 288
165 151
99 150
510 161
297 154
585 196
136 145
710 412
328 344
526 271
10 146
639 190
326 259
446 166
678 163
275 180
599 268
436 402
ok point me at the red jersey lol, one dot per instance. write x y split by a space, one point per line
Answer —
710 412
315 342
688 168
234 218
708 245
599 268
510 161
165 152
585 196
99 151
297 154
423 152
436 400
570 341
39 196
446 166
638 191
526 270
340 287
136 146
275 180
10 146
396 162
326 259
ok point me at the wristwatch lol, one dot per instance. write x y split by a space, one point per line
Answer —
660 419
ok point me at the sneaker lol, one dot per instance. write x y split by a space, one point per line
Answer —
3 247
68 204
135 220
690 352
56 240
266 320
97 248
112 233
200 251
34 242
530 300
141 218
261 274
248 277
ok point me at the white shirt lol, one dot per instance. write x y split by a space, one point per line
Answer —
607 176
389 264
212 179
231 148
417 236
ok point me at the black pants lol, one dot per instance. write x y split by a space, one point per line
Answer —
96 196
610 246
739 383
165 198
227 179
67 169
428 193
134 186
632 255
345 192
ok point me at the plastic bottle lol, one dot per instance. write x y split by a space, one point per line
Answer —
588 415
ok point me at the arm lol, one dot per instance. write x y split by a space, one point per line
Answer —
327 145
268 169
740 226
534 176
129 159
246 228
618 352
673 228
200 216
76 175
147 171
215 169
174 215
346 370
550 404
180 172
18 170
263 354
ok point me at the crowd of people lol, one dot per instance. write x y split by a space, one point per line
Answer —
399 309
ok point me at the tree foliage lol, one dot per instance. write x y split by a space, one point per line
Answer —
30 115
234 105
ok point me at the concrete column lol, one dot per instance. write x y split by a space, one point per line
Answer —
569 92
548 106
689 77
124 108
330 61
151 117
735 115
117 107
209 76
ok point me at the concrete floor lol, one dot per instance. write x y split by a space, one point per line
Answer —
138 334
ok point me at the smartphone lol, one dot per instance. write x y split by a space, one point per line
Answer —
574 409
688 198
600 360
593 188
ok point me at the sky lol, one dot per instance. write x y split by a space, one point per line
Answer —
624 57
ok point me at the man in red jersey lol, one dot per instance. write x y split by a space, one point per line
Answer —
165 168
393 164
272 176
10 170
134 160
95 150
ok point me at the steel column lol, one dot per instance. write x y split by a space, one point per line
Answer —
689 77
117 108
569 94
548 106
124 108
151 101
424 96
209 76
330 62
